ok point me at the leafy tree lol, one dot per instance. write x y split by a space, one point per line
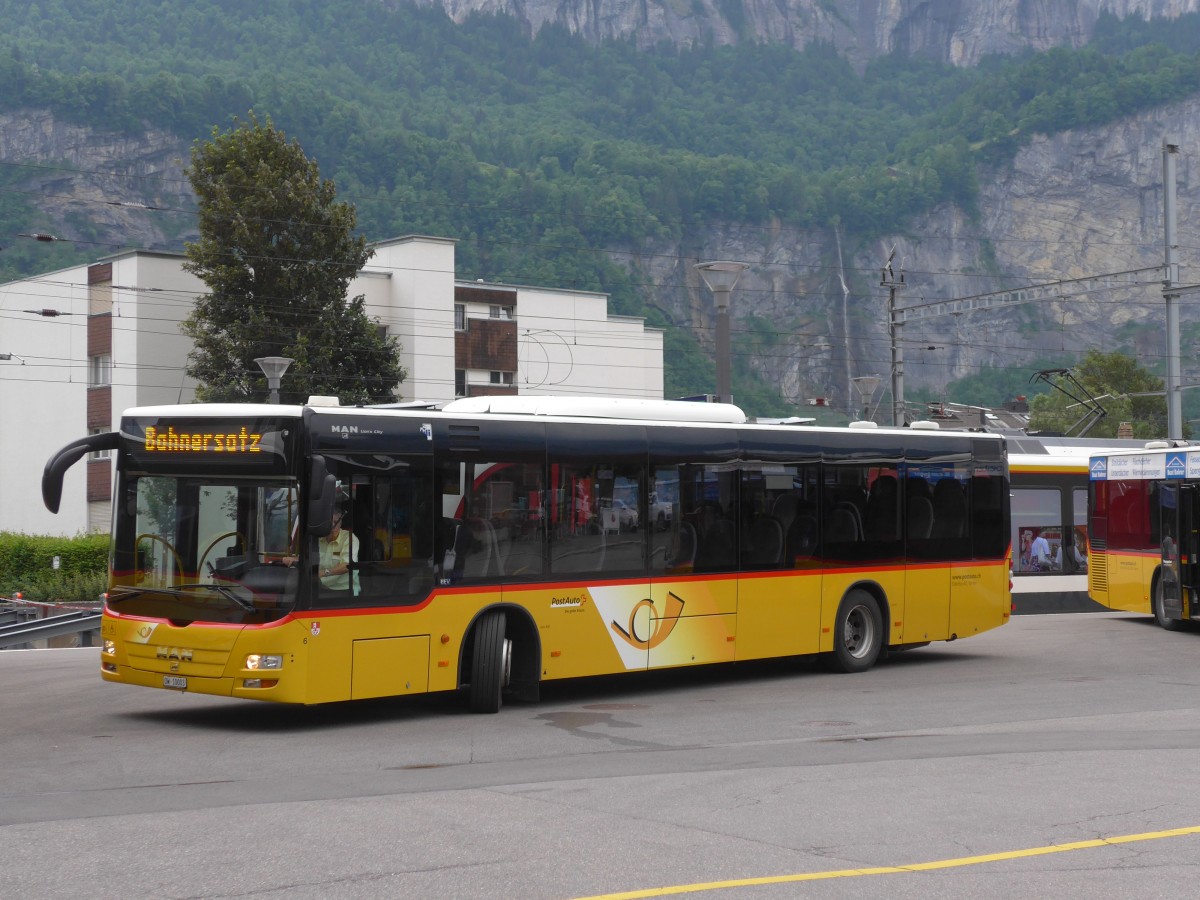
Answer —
1127 392
278 253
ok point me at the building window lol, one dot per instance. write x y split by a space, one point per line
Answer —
460 317
100 301
500 312
460 382
502 378
99 454
100 370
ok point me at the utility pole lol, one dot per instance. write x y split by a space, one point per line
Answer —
1170 295
888 280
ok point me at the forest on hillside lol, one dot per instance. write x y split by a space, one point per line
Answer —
540 154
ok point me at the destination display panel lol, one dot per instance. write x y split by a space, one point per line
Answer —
189 443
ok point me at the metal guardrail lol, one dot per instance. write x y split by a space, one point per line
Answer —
12 614
79 621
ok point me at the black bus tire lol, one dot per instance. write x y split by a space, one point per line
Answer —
1160 612
857 633
489 662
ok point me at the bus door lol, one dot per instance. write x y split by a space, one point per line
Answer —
1189 545
1172 515
1180 519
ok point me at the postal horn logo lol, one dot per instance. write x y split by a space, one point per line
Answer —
644 616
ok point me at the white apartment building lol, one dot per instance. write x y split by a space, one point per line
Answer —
85 343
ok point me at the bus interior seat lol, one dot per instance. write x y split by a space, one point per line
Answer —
920 518
845 526
916 486
765 542
883 510
685 552
784 509
949 510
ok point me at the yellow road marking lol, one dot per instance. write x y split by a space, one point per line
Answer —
892 870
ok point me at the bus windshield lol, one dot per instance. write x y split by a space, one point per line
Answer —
196 549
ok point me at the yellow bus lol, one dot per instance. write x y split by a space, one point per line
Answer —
1143 518
311 554
1049 490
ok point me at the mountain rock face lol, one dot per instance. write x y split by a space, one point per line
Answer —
1074 206
955 31
77 174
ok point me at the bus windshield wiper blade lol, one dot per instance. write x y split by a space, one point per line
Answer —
117 594
183 591
226 592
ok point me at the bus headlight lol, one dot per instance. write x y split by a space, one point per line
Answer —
264 661
110 647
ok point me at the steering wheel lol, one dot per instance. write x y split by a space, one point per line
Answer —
148 536
209 549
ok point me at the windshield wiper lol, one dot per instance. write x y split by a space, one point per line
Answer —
226 592
125 593
182 591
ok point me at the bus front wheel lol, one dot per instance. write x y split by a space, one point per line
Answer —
1160 610
491 663
857 633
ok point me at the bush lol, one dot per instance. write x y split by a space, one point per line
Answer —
27 565
71 588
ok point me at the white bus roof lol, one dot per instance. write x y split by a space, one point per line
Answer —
600 408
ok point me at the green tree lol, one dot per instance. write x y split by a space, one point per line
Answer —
278 252
1127 392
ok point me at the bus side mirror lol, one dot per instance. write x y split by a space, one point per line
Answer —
56 467
322 492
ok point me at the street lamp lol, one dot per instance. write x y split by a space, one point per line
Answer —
274 367
866 385
720 278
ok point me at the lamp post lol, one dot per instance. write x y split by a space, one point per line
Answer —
720 278
274 367
866 385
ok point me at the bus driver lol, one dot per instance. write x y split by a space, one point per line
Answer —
338 549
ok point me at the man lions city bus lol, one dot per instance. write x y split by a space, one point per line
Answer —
319 553
1144 523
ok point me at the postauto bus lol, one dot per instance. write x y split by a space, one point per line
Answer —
309 554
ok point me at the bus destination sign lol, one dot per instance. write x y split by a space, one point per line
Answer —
167 440
170 440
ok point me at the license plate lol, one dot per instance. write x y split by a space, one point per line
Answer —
174 681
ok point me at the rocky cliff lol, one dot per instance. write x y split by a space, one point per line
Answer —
956 31
75 174
1079 204
1073 206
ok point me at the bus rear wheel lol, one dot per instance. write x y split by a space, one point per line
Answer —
1160 611
491 663
857 633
